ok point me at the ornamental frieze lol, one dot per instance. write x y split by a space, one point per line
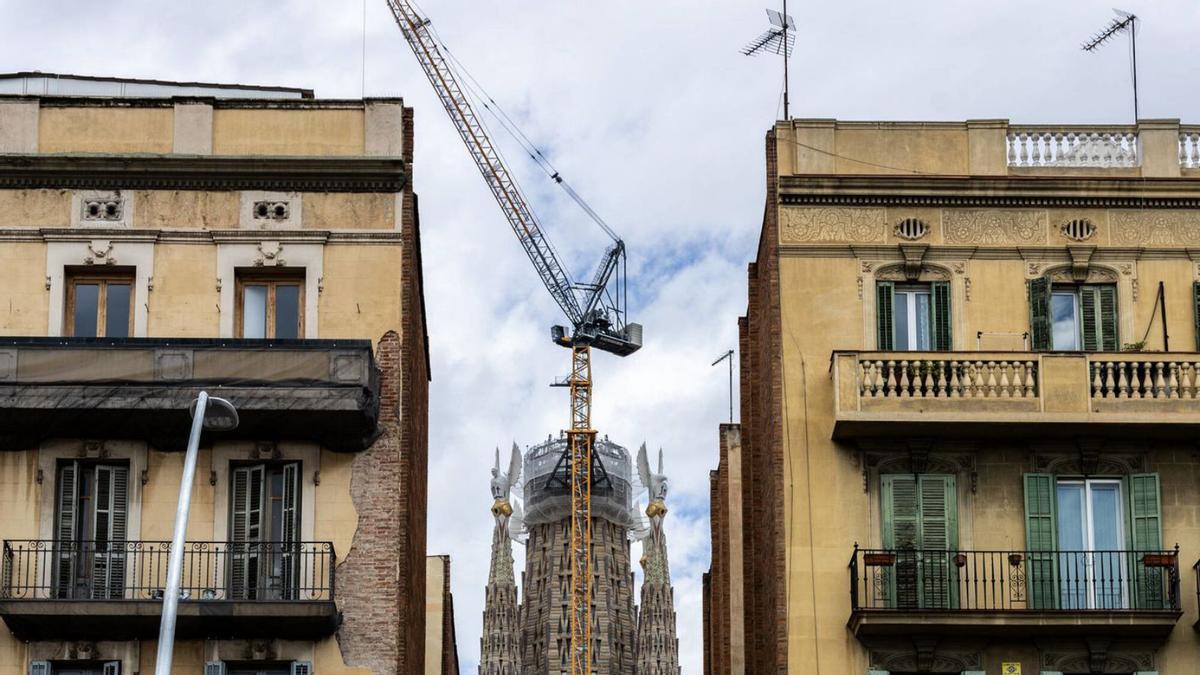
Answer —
994 226
1155 228
833 225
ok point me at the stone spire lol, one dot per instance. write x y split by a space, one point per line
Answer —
657 643
500 644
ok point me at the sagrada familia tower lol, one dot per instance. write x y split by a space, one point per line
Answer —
531 635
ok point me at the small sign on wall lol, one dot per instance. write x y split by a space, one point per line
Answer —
1009 668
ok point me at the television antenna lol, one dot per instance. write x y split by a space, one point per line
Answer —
728 356
779 39
1124 23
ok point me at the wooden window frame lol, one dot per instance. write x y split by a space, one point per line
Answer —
271 280
75 277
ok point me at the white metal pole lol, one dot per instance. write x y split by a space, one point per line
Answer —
166 631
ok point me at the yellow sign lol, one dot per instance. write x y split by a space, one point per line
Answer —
1010 668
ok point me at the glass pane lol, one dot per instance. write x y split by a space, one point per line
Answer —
900 321
924 341
1062 313
287 311
1108 573
116 305
254 312
87 302
1072 537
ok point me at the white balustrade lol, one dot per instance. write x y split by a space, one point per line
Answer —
942 378
1138 379
1189 149
1073 148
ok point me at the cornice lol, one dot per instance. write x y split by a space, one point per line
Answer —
190 172
991 191
199 236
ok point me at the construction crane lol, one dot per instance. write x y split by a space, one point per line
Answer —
595 309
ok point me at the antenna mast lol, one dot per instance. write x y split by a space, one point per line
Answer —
779 39
728 356
1125 21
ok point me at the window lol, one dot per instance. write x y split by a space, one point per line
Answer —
264 531
270 305
75 668
99 305
1073 317
252 668
1086 539
91 516
920 523
913 317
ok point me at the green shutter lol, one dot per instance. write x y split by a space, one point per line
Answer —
1039 313
1145 534
940 315
1109 339
884 308
1089 305
901 533
1196 312
1041 540
938 538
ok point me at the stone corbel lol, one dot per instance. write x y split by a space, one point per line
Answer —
1098 654
1080 261
100 253
269 255
914 255
926 651
918 455
1089 455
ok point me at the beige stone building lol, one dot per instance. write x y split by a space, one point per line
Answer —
160 238
970 396
441 642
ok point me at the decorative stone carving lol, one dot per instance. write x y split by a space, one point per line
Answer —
270 255
911 229
1090 461
1067 274
1155 228
912 658
272 210
901 272
1097 659
100 253
101 210
994 226
1080 256
830 225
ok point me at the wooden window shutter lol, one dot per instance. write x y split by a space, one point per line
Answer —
301 668
1145 534
39 668
291 527
68 488
902 534
1098 310
938 540
1109 338
214 668
1039 313
1089 312
1041 539
110 527
1196 312
245 527
939 294
884 314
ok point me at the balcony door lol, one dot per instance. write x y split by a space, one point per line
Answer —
264 531
1093 567
920 524
90 530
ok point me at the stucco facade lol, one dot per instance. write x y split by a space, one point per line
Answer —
207 193
849 397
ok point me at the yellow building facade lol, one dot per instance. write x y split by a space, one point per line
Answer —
969 403
264 248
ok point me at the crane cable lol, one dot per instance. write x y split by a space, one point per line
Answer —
514 131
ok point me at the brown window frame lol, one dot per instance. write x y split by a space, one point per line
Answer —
120 276
272 280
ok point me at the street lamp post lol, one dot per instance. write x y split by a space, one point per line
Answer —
207 413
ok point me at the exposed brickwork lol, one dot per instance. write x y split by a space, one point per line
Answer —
381 584
762 447
449 638
706 609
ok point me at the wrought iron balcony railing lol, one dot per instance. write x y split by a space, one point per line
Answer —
911 580
137 570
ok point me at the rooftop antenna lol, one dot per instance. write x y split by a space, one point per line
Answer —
779 39
728 356
1125 22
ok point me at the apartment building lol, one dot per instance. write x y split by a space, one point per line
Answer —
163 238
970 386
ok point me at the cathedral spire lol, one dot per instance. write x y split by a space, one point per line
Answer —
657 643
500 644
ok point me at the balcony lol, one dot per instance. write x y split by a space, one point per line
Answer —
88 590
1015 394
1014 594
326 391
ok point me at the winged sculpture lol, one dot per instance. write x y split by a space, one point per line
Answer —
502 484
656 488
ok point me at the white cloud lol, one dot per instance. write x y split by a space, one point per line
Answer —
649 110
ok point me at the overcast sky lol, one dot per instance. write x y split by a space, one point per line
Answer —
649 110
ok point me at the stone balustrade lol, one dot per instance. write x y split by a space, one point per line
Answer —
947 377
1189 148
1149 377
1026 394
1100 147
